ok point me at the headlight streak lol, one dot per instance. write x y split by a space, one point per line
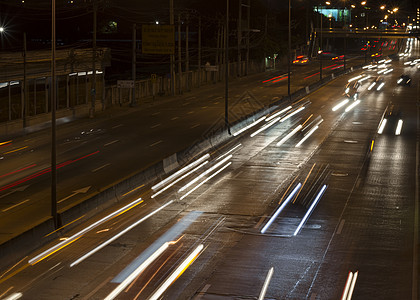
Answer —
355 78
291 114
265 126
399 80
347 90
351 106
380 86
231 150
349 287
179 179
249 126
96 249
278 113
77 235
14 296
205 173
307 136
388 71
382 71
388 61
382 66
364 78
207 179
266 283
381 61
282 206
407 63
310 210
137 272
339 105
382 126
289 135
178 272
399 127
178 173
371 86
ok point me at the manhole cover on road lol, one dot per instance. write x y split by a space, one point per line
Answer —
339 174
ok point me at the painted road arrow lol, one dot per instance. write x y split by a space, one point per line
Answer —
79 191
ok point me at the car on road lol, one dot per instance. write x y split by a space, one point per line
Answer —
301 60
352 90
404 80
392 121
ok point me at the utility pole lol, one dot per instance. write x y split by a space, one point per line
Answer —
25 96
179 56
199 51
53 126
289 53
320 50
265 40
93 89
216 75
239 37
227 69
133 67
247 35
187 56
172 56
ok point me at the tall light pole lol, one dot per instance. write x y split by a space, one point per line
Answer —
289 54
53 126
227 69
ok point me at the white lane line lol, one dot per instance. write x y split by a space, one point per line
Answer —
340 227
116 126
154 144
174 118
13 206
194 126
154 126
266 283
202 292
101 167
110 143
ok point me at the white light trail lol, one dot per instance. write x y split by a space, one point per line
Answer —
231 150
307 136
266 283
118 235
249 126
347 90
180 178
382 71
137 272
381 61
14 296
265 126
351 106
399 80
388 61
349 287
291 114
364 78
340 105
388 71
180 172
380 86
278 113
311 208
178 272
282 206
289 135
69 240
399 127
382 66
207 179
407 63
205 173
382 126
355 78
371 86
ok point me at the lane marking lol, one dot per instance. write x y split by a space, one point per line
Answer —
110 143
340 227
194 126
154 126
260 222
101 167
15 150
13 206
116 126
174 118
135 189
154 144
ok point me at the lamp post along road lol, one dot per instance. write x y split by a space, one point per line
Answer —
289 54
53 126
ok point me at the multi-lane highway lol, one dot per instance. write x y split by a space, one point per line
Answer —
314 201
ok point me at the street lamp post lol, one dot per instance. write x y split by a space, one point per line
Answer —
289 54
53 126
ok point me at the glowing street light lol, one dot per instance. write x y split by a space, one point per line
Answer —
382 7
1 29
328 2
395 9
363 2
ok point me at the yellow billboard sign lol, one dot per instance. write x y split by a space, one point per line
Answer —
158 39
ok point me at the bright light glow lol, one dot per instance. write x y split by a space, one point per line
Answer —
401 54
266 283
205 173
311 208
380 86
388 61
14 296
307 136
231 150
353 283
289 135
355 78
278 113
400 80
249 126
382 71
118 235
137 272
388 71
349 287
178 173
371 86
364 78
382 126
180 178
407 63
207 179
178 272
282 206
399 127
2 29
381 61
347 90
351 106
75 236
265 126
291 114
